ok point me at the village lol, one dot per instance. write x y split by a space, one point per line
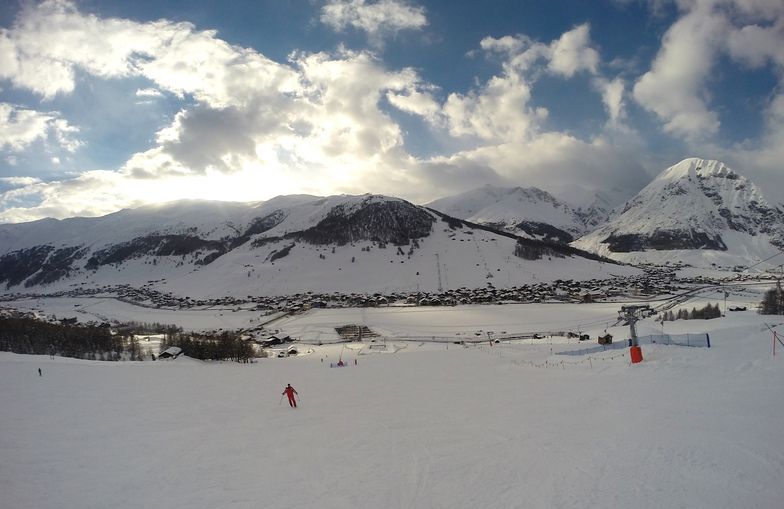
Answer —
655 281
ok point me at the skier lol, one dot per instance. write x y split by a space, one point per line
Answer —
290 392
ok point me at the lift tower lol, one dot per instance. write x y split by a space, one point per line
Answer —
632 314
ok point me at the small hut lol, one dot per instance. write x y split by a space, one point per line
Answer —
170 353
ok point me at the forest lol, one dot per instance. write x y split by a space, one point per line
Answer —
29 335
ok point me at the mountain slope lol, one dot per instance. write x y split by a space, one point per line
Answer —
696 211
284 246
528 212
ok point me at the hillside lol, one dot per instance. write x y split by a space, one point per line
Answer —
285 246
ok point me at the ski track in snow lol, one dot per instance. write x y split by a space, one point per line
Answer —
432 425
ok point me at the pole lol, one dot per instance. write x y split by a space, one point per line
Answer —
633 314
775 338
281 399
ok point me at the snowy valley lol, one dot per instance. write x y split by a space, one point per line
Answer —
472 386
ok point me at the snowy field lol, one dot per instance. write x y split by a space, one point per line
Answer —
434 425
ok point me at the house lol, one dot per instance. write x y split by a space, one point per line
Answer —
277 339
170 353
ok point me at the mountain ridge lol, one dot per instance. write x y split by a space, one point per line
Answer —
529 212
286 245
696 212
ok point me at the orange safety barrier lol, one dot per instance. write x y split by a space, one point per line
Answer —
636 354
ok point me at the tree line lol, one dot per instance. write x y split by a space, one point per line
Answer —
27 335
705 313
31 336
223 346
772 303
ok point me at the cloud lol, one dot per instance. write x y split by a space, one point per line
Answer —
572 53
19 128
149 92
416 102
500 109
244 127
385 17
51 39
319 123
506 142
315 123
750 32
547 161
19 181
89 194
613 93
674 89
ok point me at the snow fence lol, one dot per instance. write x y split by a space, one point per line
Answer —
651 339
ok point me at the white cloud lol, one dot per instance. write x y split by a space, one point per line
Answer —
674 88
376 19
548 161
760 45
417 103
19 128
572 53
149 92
50 39
316 125
89 194
19 181
320 123
511 146
500 109
750 32
613 93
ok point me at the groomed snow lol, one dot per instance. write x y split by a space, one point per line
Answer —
430 426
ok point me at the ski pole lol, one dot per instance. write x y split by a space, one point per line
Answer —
281 400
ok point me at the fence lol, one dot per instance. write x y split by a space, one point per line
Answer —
696 340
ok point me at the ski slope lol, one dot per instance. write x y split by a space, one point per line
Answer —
432 425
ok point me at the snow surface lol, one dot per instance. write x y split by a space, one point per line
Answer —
432 425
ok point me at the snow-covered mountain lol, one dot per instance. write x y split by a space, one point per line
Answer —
529 212
697 211
284 246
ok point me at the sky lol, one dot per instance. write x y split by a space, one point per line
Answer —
107 105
